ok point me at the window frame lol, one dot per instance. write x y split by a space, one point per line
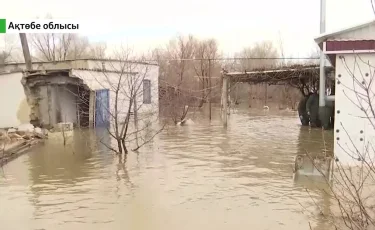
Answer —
147 91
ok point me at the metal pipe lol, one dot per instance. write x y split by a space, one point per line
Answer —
322 79
330 98
322 16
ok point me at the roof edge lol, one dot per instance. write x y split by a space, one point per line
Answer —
146 62
45 71
324 36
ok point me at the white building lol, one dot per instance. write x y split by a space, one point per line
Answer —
78 91
352 53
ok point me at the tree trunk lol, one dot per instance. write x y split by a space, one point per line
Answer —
124 146
203 95
119 146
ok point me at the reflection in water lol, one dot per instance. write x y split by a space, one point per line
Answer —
315 142
319 206
315 155
190 177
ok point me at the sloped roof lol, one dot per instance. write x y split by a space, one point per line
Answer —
368 27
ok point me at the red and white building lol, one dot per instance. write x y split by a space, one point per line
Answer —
352 53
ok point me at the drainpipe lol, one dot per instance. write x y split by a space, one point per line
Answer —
322 79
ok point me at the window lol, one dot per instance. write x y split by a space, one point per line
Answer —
146 92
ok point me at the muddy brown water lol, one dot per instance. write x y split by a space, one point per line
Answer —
194 177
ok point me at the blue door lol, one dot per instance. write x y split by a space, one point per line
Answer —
102 113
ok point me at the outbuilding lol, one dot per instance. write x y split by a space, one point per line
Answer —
352 53
85 92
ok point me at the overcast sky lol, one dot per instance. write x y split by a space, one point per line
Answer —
145 24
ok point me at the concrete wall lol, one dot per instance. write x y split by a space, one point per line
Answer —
14 107
44 100
68 104
354 121
16 111
99 80
57 104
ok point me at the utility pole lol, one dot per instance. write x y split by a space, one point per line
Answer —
26 51
209 85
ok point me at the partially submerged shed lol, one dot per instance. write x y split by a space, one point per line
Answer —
82 92
56 96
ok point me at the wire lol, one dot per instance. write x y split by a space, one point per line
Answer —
234 59
189 90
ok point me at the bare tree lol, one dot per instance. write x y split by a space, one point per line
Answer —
59 47
8 49
185 64
176 69
178 51
97 50
131 111
289 96
266 53
79 47
205 52
261 55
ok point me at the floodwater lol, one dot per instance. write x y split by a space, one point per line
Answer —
190 177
